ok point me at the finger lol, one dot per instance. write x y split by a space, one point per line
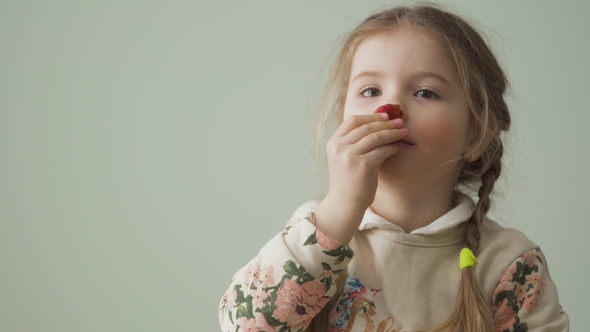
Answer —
378 155
378 139
355 121
369 128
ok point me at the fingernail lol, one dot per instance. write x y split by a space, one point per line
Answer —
383 116
403 130
398 122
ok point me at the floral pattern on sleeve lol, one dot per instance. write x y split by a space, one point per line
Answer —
520 289
269 300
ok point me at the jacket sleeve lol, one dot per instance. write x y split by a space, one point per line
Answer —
288 283
526 300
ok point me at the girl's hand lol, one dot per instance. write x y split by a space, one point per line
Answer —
355 152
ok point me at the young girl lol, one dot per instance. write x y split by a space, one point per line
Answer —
395 245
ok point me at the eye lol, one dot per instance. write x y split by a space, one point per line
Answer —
426 94
371 92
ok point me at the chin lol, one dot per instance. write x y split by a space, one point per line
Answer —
394 167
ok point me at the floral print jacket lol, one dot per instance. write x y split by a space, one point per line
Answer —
294 277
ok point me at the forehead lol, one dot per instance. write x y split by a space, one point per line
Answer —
401 50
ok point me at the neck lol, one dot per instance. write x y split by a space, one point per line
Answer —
410 206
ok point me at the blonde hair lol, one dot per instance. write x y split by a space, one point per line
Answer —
484 84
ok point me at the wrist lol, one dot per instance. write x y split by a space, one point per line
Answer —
337 219
350 205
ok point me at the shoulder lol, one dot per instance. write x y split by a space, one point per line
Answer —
507 242
513 269
499 248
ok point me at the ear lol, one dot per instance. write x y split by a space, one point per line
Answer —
478 141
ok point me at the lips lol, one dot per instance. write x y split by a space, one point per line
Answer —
404 144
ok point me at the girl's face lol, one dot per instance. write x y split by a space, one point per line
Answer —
400 67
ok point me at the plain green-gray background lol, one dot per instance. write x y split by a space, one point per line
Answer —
148 149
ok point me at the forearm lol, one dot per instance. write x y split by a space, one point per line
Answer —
297 268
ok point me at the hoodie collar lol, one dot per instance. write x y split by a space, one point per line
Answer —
457 215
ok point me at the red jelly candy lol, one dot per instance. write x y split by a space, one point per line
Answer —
394 111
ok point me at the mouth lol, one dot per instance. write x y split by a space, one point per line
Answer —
404 144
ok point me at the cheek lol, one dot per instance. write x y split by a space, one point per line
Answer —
443 136
347 112
352 109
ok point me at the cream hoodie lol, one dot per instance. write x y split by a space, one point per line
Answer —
389 280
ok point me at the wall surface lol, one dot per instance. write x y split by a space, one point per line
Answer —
148 149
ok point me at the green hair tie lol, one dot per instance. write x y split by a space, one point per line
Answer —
466 258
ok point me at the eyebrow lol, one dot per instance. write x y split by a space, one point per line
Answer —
435 75
421 74
368 73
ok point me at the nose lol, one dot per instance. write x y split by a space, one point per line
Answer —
393 111
397 97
